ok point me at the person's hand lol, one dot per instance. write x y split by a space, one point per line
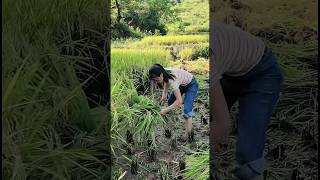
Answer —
163 100
220 133
164 111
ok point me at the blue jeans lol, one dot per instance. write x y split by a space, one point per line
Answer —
258 93
190 91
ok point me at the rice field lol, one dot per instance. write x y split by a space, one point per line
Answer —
144 143
50 130
174 39
127 59
292 137
54 127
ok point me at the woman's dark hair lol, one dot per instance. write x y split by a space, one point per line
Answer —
157 69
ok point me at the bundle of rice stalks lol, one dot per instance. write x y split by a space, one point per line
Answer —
197 165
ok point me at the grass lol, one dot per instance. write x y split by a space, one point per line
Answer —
296 59
295 119
199 66
194 16
127 59
197 28
197 165
135 106
174 39
49 130
185 54
134 109
133 112
290 14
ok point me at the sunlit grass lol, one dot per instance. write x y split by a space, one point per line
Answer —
127 59
131 111
197 165
200 66
194 15
174 39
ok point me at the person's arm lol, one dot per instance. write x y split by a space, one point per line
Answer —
176 104
219 116
164 93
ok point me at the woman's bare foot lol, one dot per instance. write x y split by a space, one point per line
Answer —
191 137
187 137
184 137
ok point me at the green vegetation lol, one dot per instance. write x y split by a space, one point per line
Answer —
193 17
135 117
128 59
53 130
197 165
141 137
185 54
289 28
201 51
49 129
284 16
134 18
174 39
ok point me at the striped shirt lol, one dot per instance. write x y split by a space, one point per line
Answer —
233 52
182 77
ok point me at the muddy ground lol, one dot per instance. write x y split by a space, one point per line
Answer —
168 159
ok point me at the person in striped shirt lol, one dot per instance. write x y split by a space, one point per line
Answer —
180 82
243 69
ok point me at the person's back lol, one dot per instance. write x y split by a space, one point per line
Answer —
234 52
182 77
243 69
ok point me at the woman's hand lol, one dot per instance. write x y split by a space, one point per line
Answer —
220 133
164 111
220 117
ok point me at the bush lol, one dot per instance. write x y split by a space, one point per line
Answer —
125 31
201 51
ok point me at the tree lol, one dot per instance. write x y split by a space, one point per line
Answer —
145 15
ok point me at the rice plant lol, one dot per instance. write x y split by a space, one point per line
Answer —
174 39
49 130
128 59
185 54
197 165
200 66
291 147
134 115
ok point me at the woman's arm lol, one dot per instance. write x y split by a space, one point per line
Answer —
219 116
176 104
164 93
165 89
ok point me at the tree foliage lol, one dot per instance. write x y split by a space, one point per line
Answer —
146 16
